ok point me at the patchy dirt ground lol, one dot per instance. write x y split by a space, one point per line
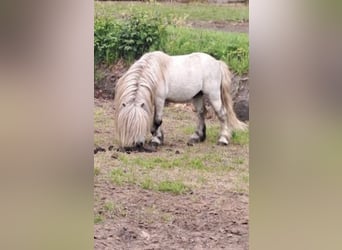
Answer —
240 27
204 204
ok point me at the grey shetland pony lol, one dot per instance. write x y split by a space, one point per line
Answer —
156 77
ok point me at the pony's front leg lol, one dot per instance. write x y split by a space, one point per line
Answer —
157 137
156 130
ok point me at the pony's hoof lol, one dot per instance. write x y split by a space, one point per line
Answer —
193 141
222 141
154 144
150 148
156 141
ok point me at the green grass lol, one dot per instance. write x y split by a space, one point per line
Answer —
171 161
241 183
102 124
149 163
169 186
99 76
120 176
145 181
196 164
175 187
191 11
238 161
245 178
240 137
213 133
109 206
124 158
188 130
166 217
98 218
97 171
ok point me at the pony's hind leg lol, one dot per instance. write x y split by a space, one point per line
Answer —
200 133
221 112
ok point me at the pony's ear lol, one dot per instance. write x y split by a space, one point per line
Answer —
142 105
124 104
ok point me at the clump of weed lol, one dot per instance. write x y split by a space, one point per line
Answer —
109 206
238 161
118 176
128 39
147 184
196 164
98 218
139 34
97 171
240 137
175 187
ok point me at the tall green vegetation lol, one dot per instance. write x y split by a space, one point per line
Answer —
231 48
128 39
131 37
105 40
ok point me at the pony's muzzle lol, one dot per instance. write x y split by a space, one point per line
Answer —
139 144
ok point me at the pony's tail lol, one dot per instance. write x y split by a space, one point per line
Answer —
227 100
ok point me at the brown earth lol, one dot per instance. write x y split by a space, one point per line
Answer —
227 26
200 220
212 214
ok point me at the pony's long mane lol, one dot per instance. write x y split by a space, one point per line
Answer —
136 88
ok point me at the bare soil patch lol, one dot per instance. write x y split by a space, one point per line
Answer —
240 27
153 220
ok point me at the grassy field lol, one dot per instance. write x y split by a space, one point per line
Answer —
191 11
201 166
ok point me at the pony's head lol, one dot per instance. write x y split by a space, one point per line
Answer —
133 123
134 98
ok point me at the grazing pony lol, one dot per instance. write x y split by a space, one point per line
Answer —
156 77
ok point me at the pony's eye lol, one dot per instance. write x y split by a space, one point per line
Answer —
142 105
123 104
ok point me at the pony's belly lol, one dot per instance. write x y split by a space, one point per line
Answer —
182 95
183 91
